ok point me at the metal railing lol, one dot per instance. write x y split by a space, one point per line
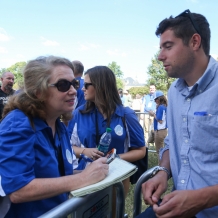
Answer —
143 126
137 199
79 207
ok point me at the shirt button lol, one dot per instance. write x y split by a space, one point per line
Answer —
188 99
200 91
185 161
182 181
184 119
186 141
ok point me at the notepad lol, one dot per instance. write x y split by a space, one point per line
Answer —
118 171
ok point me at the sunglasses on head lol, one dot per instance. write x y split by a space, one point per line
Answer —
63 85
187 13
86 85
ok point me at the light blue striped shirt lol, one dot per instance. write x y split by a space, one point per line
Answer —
192 139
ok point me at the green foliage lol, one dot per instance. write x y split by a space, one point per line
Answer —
116 69
2 71
158 76
120 84
139 90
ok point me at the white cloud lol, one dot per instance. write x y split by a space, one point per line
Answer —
88 46
47 42
83 48
3 50
3 35
116 52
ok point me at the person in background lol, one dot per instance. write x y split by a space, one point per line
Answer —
122 97
6 89
126 102
160 122
35 151
129 99
190 153
78 73
104 109
148 104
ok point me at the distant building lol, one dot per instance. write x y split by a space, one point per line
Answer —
129 82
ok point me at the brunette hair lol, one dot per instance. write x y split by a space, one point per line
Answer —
106 95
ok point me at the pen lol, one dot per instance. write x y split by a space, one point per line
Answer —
84 157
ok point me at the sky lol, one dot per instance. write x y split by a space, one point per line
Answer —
95 32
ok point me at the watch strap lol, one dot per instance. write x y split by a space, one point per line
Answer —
159 168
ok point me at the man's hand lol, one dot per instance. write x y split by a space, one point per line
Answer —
180 204
154 188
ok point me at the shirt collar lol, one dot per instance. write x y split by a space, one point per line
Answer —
202 82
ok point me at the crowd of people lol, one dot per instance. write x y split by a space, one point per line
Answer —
61 113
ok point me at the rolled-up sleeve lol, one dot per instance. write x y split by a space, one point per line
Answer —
165 148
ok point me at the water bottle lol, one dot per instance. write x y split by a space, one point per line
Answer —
105 141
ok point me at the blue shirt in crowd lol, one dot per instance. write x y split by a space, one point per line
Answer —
83 129
149 103
80 94
160 115
26 154
193 139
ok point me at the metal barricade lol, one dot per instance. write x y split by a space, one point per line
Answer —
137 199
95 205
143 126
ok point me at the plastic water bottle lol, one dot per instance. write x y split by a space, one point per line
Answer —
105 141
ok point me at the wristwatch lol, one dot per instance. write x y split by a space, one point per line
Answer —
158 168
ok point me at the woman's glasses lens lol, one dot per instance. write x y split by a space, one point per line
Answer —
86 85
64 85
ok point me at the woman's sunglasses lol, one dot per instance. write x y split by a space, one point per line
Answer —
86 85
64 85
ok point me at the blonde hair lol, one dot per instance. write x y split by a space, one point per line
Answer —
36 77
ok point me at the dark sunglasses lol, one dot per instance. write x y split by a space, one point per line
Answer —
63 85
187 13
86 85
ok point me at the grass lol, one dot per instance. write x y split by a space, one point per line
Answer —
152 161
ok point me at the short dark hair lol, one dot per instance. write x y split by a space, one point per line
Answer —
184 29
78 68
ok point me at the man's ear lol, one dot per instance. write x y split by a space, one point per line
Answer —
195 41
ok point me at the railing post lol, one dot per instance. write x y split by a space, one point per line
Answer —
137 201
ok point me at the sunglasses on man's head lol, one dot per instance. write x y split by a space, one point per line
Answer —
63 85
86 85
187 13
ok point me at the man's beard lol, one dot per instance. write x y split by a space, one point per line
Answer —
8 87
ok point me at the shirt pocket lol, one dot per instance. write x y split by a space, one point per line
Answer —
204 134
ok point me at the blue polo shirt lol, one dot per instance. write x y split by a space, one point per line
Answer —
149 103
83 126
80 94
26 154
160 115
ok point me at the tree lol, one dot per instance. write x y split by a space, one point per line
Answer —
116 69
17 70
118 74
139 90
158 76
